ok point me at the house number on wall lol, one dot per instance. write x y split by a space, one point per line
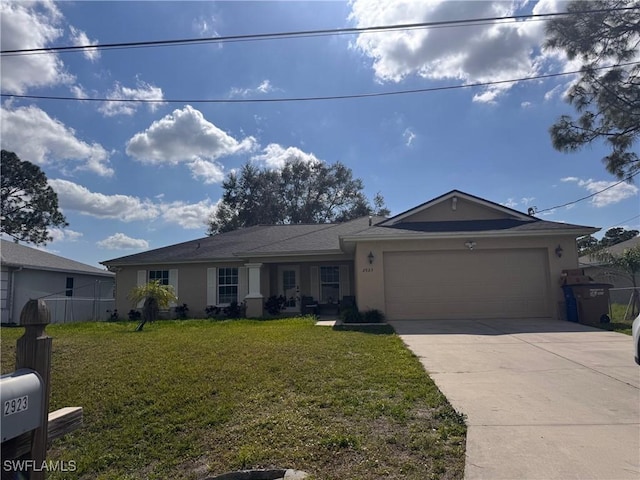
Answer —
368 269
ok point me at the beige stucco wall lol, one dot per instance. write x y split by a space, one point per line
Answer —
369 285
464 210
192 281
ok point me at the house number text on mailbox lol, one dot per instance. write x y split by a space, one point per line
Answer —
21 394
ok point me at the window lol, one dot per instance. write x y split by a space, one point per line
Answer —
227 285
161 275
329 284
69 291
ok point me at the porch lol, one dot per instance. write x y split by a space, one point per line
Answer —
319 288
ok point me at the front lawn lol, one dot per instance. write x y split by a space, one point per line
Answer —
191 399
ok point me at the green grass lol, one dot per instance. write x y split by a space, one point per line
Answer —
618 322
190 399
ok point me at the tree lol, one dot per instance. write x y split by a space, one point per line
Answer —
629 263
155 296
607 100
591 245
29 207
617 235
299 192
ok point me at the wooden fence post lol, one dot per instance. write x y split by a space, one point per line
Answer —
33 350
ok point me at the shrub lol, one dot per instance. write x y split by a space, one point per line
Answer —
181 311
134 314
234 310
275 304
351 315
212 311
373 316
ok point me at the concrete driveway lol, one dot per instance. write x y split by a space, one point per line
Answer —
544 399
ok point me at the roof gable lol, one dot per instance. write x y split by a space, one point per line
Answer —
456 206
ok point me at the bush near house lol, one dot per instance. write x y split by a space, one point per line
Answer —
353 315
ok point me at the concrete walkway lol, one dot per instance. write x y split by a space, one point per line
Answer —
544 399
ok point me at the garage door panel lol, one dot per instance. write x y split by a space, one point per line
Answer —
470 284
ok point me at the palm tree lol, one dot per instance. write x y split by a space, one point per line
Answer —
155 296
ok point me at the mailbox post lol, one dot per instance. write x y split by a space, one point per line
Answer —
33 351
27 427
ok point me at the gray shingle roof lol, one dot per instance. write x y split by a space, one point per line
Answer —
506 225
16 255
258 240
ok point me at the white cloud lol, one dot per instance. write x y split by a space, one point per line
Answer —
36 137
209 171
185 136
205 27
64 234
553 93
264 87
510 203
80 38
120 241
526 201
409 136
190 216
473 54
526 104
78 91
126 208
615 192
142 91
26 25
275 156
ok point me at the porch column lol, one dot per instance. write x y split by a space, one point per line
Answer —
254 299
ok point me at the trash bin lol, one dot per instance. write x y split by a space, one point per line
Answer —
570 303
592 302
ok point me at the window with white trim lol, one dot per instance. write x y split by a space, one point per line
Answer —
329 284
160 275
227 285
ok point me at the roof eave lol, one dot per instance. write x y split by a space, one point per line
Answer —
480 234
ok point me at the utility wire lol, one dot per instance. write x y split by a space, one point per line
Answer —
303 33
316 98
589 196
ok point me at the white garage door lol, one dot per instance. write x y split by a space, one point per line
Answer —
470 284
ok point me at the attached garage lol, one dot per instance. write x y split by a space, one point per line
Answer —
463 257
466 284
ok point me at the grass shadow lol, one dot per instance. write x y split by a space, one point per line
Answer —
382 329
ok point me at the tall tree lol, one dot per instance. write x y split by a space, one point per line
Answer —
616 235
29 207
299 192
607 100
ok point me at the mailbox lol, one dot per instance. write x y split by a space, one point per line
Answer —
21 394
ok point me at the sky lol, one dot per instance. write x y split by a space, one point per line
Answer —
132 176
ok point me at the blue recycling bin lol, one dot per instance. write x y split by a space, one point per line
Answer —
571 303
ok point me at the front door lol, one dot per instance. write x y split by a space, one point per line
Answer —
289 287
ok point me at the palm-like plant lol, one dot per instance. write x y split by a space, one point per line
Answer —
629 262
155 296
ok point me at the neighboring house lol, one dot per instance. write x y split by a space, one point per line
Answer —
621 281
72 290
456 256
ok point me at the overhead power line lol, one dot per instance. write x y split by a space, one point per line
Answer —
626 179
314 98
302 33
